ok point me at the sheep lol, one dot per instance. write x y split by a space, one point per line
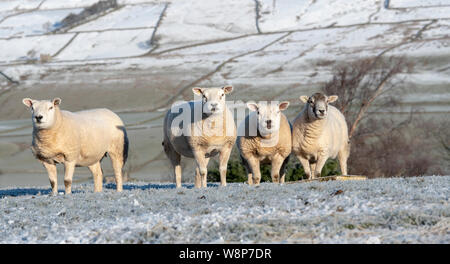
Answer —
265 137
320 132
208 129
77 139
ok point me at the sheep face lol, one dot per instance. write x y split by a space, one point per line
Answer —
269 116
42 112
213 99
317 104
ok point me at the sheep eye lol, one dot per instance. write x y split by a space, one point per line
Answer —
51 107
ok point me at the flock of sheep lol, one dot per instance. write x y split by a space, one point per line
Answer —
203 129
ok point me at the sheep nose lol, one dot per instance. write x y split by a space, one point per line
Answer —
214 104
38 118
322 111
269 123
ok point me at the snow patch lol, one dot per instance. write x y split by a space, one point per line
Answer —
108 44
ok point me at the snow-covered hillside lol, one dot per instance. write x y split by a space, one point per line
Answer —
310 28
282 42
249 43
397 210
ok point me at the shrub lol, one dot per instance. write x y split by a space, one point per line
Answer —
74 19
44 58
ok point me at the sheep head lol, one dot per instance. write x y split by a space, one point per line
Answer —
43 112
269 115
317 104
213 99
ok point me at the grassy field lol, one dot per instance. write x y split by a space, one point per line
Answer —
394 210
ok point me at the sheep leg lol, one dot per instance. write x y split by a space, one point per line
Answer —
283 170
248 170
256 172
277 162
319 165
177 172
313 167
199 180
204 178
343 165
343 156
175 160
250 178
201 170
52 176
96 171
306 166
69 168
117 163
224 157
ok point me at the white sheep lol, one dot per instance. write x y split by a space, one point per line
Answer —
207 129
320 132
77 139
265 137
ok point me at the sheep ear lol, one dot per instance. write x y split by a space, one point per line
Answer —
252 106
283 105
227 89
304 98
28 102
197 91
332 98
56 101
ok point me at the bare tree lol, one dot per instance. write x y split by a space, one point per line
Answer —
358 84
382 146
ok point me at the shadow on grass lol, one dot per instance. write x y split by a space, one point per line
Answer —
29 191
130 187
